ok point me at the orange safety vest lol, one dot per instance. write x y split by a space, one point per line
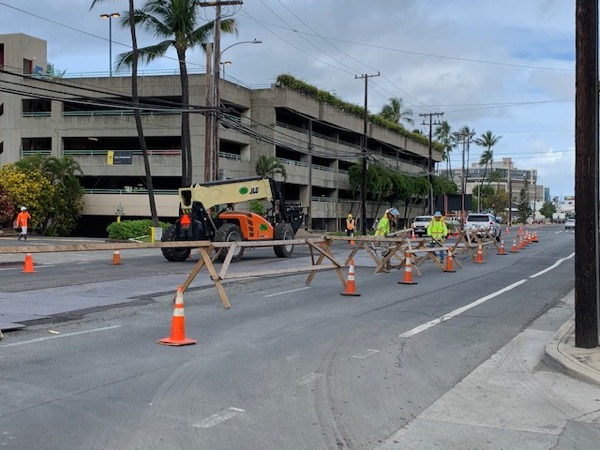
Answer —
350 224
22 219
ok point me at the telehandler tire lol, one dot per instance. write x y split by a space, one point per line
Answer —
230 232
174 254
283 232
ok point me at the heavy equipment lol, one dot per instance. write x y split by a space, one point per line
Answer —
207 212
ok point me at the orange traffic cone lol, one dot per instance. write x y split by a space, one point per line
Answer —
449 262
514 247
28 267
352 243
413 236
507 231
479 258
535 239
350 290
501 249
177 337
116 258
521 243
407 272
521 229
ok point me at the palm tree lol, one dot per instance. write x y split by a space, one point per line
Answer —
444 135
175 21
137 116
396 112
487 140
269 166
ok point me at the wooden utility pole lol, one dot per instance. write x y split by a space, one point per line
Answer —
430 160
208 117
363 189
215 93
586 174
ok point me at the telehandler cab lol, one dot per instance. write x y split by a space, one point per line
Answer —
206 212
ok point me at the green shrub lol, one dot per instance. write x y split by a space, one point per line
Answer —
128 229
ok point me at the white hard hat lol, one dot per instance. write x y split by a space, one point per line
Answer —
23 208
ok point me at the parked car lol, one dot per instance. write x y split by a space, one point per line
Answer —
420 225
481 222
570 224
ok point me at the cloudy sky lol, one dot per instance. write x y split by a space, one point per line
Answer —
506 66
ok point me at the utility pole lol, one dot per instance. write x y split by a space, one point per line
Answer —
310 163
586 174
208 117
215 91
430 160
509 194
363 193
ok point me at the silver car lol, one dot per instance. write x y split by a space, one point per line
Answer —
420 225
570 224
481 222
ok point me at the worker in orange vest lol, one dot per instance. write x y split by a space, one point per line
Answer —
23 219
350 225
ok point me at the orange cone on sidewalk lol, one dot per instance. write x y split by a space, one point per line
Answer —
514 247
177 336
407 272
479 258
501 250
449 262
28 266
116 258
350 290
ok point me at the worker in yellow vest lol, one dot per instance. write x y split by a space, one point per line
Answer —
438 231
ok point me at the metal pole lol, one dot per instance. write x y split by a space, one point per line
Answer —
110 46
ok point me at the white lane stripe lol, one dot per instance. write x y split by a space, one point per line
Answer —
58 336
458 311
287 292
553 266
365 354
218 418
308 378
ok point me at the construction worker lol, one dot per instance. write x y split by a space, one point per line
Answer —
438 231
383 228
23 219
350 225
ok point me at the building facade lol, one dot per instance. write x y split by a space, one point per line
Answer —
91 119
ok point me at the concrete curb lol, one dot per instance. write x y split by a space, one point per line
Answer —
581 363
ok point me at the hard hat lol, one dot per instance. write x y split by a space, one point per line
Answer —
349 216
23 208
438 214
387 211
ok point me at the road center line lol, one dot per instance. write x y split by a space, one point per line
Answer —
58 336
366 354
461 310
218 418
553 266
287 292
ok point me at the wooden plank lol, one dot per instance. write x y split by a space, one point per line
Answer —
260 273
215 278
101 246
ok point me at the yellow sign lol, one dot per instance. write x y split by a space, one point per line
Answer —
110 157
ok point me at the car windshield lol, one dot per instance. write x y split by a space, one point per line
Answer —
478 218
423 219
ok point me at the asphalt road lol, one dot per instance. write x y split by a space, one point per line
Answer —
288 366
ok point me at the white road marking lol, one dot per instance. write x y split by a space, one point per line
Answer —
32 341
461 310
218 418
365 354
308 378
553 266
287 292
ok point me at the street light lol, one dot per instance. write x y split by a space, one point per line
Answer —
223 64
216 101
110 17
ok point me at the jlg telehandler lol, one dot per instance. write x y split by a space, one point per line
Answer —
207 212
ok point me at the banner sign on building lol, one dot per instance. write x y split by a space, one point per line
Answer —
119 157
